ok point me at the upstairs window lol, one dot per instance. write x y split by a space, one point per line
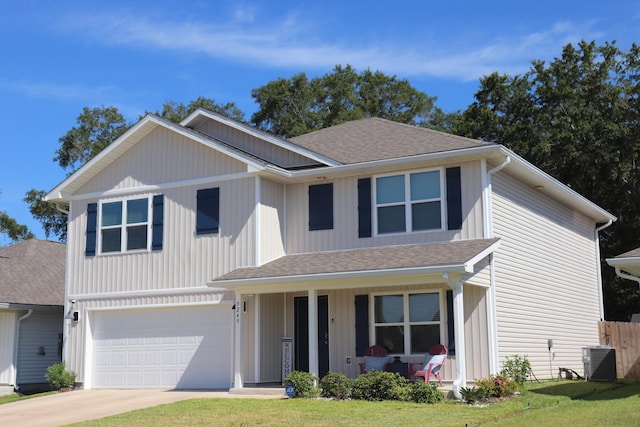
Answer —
408 322
409 202
124 225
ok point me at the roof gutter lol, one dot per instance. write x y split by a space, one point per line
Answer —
624 275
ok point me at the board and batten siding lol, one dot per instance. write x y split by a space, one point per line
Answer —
251 144
271 206
186 259
546 278
161 157
7 340
344 234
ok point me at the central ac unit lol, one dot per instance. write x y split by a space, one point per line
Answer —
599 363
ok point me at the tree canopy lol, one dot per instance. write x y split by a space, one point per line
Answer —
578 119
298 105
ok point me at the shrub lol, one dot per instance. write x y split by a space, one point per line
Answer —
336 385
59 377
377 385
420 392
473 394
497 386
304 383
518 369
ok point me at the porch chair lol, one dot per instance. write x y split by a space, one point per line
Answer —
375 358
433 362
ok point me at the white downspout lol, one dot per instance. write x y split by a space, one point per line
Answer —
599 266
15 348
627 276
458 321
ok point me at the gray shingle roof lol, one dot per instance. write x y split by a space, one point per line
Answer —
379 139
32 272
367 259
631 254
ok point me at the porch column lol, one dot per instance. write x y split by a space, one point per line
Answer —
458 319
237 341
313 332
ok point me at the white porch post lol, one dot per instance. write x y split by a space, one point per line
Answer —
458 320
237 353
313 332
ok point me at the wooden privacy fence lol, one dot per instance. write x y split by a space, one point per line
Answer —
625 338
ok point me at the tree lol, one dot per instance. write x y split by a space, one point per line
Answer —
96 129
292 107
175 111
577 118
53 221
10 227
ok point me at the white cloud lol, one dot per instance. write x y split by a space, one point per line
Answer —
52 90
288 43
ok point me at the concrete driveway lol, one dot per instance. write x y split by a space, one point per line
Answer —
82 405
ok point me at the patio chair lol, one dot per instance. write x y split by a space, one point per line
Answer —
433 362
375 358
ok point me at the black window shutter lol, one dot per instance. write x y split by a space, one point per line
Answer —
207 216
92 224
450 329
321 207
157 224
454 199
362 324
364 207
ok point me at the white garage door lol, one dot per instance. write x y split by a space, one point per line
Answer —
185 348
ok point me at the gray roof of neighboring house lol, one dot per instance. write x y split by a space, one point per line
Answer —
32 273
435 255
374 138
631 254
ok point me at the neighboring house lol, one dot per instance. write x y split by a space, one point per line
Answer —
31 317
195 248
627 265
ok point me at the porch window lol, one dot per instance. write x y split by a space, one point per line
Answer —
407 323
124 225
409 202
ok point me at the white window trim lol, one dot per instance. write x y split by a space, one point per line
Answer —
408 202
406 323
123 225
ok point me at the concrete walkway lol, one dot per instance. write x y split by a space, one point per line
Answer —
82 405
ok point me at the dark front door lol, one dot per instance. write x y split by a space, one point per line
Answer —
301 334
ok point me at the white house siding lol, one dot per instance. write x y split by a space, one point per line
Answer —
7 340
344 234
271 205
546 278
248 143
162 157
271 325
40 331
186 260
476 332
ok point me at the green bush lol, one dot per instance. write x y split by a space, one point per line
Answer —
59 377
517 368
336 386
473 394
420 392
304 384
377 386
497 386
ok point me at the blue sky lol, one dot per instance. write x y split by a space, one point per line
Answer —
58 57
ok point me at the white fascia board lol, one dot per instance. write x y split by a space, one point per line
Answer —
439 269
616 262
146 293
470 265
557 188
272 139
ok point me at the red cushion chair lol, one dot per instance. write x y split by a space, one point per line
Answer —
434 361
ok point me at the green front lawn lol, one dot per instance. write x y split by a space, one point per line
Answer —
565 403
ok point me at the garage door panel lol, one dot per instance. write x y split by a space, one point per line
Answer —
162 348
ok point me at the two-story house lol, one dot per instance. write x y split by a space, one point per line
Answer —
195 248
